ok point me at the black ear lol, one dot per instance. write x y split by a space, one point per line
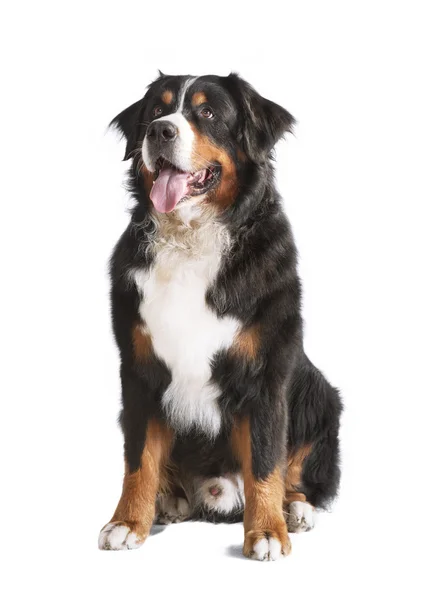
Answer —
128 123
263 123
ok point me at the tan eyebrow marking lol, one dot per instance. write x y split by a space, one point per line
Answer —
167 96
198 99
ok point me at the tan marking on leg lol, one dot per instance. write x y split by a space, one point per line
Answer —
167 97
198 99
168 479
142 344
294 497
246 342
136 507
206 152
263 516
294 473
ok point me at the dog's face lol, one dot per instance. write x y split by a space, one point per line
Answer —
196 135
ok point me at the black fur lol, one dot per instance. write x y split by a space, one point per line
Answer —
263 121
288 401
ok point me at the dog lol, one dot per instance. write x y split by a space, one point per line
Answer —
224 417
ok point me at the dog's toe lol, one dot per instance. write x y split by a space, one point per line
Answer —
300 517
118 536
267 545
171 509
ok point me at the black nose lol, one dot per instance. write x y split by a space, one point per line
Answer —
162 131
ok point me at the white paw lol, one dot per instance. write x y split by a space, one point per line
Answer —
171 509
267 549
118 536
300 517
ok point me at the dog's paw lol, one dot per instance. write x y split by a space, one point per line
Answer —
171 509
118 536
300 517
267 544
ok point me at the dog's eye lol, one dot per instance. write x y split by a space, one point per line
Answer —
157 111
206 113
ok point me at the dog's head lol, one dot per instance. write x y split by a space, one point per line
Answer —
193 137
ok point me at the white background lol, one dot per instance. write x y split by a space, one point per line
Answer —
354 183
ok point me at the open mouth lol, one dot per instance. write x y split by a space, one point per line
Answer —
171 185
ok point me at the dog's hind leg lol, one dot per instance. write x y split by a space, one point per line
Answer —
299 514
172 509
313 469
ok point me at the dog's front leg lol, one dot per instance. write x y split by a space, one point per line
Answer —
266 534
147 446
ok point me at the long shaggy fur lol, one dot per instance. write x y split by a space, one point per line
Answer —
268 379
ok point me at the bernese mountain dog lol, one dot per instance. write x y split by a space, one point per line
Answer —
224 417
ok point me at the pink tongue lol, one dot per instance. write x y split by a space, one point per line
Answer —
168 189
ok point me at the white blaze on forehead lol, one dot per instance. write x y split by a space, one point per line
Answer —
183 146
187 83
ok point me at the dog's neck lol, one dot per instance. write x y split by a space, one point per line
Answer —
194 231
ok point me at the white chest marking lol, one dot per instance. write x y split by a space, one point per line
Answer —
185 332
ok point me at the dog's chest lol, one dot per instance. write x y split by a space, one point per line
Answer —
185 332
